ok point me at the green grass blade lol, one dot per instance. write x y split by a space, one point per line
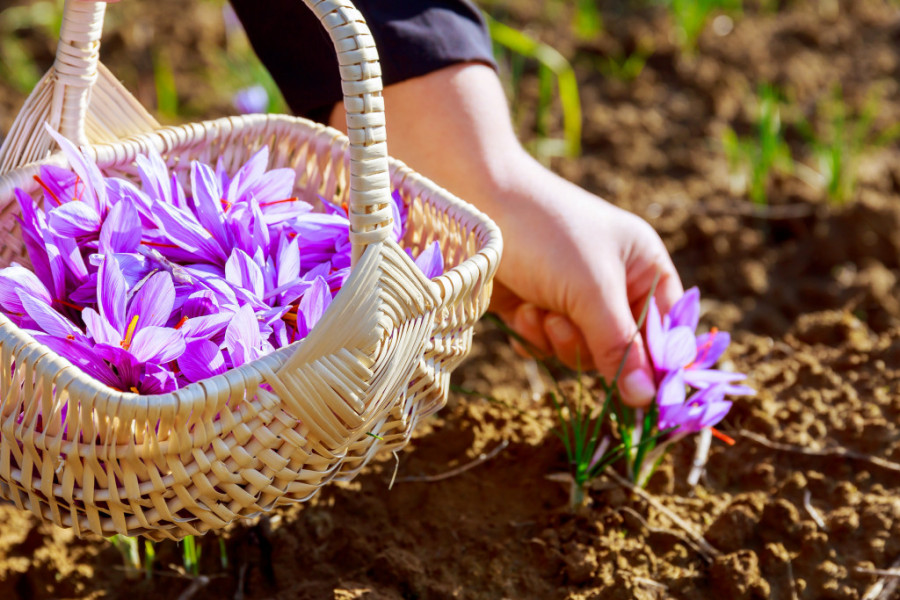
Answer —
524 45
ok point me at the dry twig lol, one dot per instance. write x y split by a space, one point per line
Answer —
663 530
198 583
807 496
885 587
705 548
482 458
835 451
879 572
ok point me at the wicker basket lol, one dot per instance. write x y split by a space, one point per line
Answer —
273 431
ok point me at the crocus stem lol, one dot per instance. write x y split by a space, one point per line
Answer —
651 460
701 455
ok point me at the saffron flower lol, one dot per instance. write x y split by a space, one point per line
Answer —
149 286
253 99
683 359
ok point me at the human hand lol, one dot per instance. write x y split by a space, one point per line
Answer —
575 276
576 270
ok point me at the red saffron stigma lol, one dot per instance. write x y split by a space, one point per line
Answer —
346 208
78 195
225 204
48 190
69 304
705 348
158 244
294 199
725 438
181 322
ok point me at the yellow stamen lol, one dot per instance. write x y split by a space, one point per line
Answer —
135 390
129 333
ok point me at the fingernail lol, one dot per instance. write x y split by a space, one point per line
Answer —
637 388
560 329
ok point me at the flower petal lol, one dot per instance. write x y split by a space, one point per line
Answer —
184 231
201 359
121 231
704 378
686 311
154 176
313 305
153 301
679 349
430 261
74 219
242 336
288 261
671 391
157 344
205 326
99 329
82 356
16 279
157 379
242 271
94 191
48 319
111 292
655 337
710 346
208 202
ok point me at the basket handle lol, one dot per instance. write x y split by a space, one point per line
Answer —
77 60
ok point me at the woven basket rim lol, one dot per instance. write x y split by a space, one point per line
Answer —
171 138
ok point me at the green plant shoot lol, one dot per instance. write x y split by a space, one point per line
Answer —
551 64
191 555
691 16
839 142
588 20
753 159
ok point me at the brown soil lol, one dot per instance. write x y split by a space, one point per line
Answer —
809 289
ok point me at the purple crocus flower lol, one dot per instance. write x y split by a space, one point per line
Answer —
253 99
673 346
430 261
127 343
149 288
681 359
705 408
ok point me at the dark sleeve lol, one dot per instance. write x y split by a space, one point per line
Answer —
414 37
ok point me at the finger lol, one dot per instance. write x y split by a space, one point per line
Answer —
528 322
504 303
613 341
669 289
567 342
636 384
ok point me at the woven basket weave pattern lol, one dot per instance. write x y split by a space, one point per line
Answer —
273 431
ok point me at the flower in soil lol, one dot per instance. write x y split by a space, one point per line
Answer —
675 348
705 407
681 360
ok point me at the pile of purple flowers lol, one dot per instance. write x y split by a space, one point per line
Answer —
683 359
148 288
